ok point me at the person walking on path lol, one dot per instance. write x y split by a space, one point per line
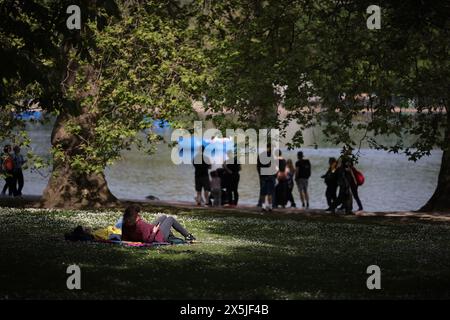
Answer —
344 177
7 170
19 161
348 161
330 178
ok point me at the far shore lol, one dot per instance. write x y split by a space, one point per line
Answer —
33 201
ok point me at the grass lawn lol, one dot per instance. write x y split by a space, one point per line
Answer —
241 256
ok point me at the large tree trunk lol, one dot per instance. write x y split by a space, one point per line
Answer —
68 188
440 201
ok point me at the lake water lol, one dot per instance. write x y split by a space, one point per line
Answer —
392 182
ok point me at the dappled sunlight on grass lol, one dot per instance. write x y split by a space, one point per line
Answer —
236 257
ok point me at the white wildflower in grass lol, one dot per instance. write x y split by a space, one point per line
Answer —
246 256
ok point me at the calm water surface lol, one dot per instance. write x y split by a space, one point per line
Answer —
392 182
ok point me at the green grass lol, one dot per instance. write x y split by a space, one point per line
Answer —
241 256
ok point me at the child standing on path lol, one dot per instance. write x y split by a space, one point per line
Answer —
216 188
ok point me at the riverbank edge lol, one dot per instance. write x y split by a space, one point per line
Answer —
246 210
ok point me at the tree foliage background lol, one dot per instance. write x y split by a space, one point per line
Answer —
131 62
337 74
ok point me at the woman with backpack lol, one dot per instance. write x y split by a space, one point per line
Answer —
348 180
19 161
355 178
7 170
354 184
343 181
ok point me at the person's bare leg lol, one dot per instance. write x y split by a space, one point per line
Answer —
307 198
206 193
269 201
302 198
5 187
262 199
198 198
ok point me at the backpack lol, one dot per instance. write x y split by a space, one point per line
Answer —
174 240
79 234
8 164
282 176
358 176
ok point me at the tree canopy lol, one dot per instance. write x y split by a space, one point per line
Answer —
266 63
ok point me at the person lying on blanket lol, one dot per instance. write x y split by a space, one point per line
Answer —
134 228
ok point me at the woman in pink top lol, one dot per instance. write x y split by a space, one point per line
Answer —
135 229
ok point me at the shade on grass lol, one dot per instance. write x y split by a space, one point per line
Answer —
241 256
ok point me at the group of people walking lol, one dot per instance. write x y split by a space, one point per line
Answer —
277 179
11 163
342 174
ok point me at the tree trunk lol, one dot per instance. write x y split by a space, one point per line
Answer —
440 201
68 188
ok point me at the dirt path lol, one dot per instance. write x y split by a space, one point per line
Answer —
33 201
